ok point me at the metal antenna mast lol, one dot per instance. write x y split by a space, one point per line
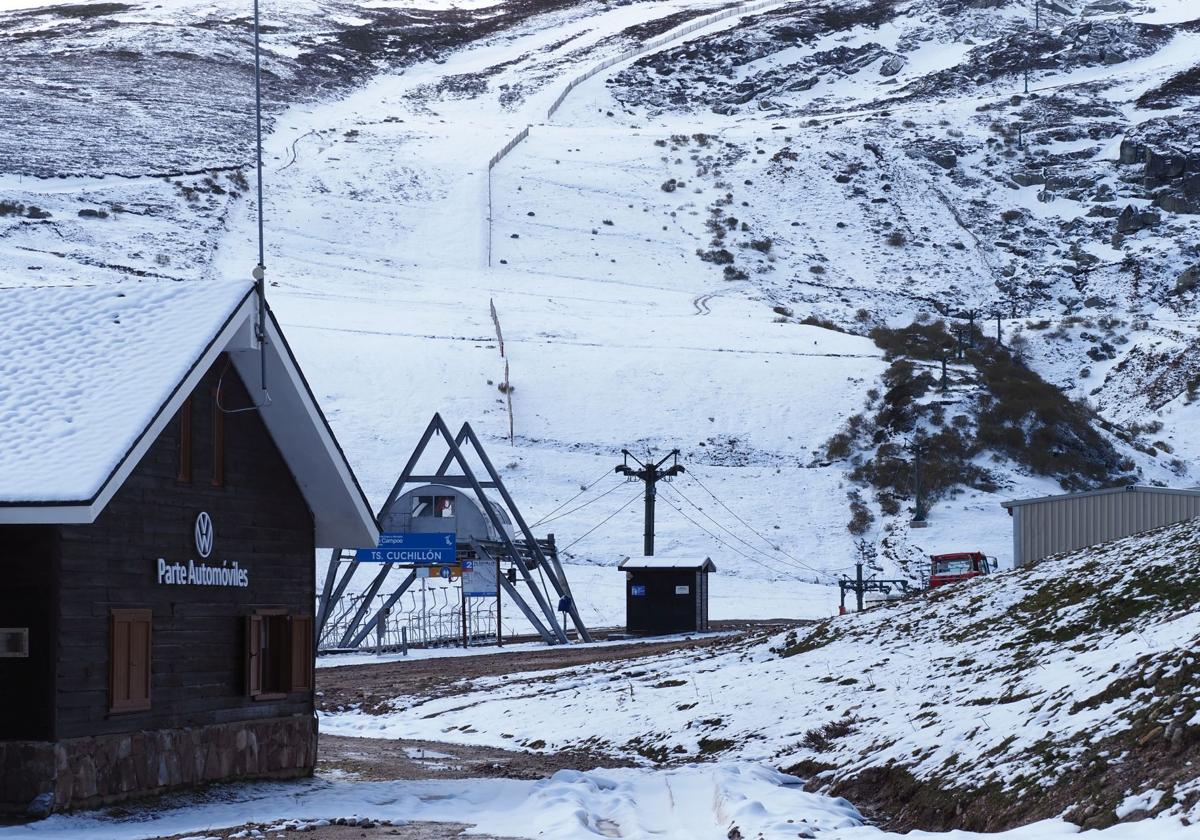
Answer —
651 473
260 271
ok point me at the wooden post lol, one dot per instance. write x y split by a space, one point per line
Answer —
462 592
499 601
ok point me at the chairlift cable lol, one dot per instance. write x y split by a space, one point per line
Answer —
549 519
542 578
749 527
748 545
777 569
752 530
794 562
585 488
635 497
785 571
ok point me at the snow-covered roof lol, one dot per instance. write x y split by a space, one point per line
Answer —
90 376
1130 488
702 564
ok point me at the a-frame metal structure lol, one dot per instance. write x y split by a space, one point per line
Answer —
524 552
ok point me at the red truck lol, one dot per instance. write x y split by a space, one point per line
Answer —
964 565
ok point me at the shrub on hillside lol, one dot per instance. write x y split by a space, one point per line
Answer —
919 340
1012 412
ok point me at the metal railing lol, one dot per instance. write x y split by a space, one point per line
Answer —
437 623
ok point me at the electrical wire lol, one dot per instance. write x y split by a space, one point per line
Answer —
636 496
220 384
584 489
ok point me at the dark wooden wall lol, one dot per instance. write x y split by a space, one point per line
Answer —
28 561
260 520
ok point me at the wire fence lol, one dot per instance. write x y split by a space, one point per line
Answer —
643 48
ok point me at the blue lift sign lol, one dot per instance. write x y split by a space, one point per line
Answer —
417 549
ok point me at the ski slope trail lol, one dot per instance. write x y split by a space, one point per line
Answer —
376 229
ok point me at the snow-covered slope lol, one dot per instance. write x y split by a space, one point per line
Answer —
1067 688
655 246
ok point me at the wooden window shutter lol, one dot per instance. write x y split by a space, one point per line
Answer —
254 655
129 660
185 442
118 663
218 440
302 653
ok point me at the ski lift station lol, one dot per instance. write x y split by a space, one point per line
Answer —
437 508
459 524
1057 524
666 594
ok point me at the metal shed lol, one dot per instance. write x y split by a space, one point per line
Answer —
666 595
1054 524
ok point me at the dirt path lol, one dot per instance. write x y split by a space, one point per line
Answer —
382 759
371 686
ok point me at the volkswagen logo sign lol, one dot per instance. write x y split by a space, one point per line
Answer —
204 534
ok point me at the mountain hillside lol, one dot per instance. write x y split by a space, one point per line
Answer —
755 241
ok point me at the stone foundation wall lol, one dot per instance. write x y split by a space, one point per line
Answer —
37 777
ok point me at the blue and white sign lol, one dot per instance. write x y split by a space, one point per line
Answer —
417 549
479 579
638 590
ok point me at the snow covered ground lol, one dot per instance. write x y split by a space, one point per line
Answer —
378 247
1011 691
615 334
706 802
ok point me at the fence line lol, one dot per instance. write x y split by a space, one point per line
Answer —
641 49
655 43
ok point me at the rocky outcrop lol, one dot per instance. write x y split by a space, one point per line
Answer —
1187 280
1078 44
1168 154
1132 220
892 65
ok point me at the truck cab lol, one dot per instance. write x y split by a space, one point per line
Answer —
960 566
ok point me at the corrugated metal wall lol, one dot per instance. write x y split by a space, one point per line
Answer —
1070 522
